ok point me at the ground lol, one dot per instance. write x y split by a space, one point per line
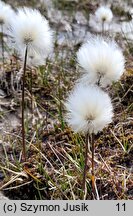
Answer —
55 155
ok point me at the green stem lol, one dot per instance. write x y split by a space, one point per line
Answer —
31 84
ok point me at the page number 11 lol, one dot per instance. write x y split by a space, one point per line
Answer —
121 207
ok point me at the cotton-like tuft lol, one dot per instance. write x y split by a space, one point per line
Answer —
6 13
89 109
104 14
31 29
102 61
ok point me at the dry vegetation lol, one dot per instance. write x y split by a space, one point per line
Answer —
55 155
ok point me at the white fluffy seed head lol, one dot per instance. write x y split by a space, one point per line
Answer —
104 14
89 109
102 61
32 29
6 13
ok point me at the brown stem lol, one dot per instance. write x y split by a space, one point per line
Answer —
85 166
92 162
23 126
99 79
2 44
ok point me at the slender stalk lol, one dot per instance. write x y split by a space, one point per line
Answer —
23 126
85 166
99 79
31 84
92 162
2 44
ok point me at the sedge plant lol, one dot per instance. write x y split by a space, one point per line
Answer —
104 16
89 111
89 108
33 39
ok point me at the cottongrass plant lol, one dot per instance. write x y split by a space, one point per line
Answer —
33 37
6 13
89 111
104 16
102 61
89 108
